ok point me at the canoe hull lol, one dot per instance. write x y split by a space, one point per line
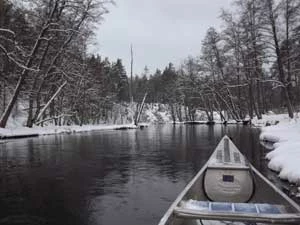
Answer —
265 192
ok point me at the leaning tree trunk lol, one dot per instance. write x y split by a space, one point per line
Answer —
19 85
30 119
25 70
50 101
140 109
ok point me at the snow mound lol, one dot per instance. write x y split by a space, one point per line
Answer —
285 158
270 119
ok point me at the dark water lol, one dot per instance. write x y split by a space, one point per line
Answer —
108 177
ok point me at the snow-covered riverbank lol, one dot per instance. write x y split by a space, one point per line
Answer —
38 131
285 158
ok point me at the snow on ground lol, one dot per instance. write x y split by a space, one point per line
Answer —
156 113
18 116
285 158
23 131
270 119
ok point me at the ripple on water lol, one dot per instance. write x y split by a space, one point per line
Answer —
109 177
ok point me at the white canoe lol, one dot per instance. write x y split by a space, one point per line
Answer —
229 188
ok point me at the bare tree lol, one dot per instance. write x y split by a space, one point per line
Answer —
272 16
60 21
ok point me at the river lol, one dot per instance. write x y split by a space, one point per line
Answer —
109 177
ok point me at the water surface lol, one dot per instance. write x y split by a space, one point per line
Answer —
108 177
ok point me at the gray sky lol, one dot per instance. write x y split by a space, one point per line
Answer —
161 31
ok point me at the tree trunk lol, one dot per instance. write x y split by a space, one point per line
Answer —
140 110
50 101
288 55
25 71
30 119
251 100
239 91
211 111
173 113
279 61
179 112
218 108
3 95
259 110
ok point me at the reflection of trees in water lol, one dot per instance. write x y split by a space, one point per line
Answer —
174 150
56 177
61 178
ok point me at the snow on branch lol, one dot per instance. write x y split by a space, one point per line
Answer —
54 118
277 82
235 86
64 30
8 31
10 57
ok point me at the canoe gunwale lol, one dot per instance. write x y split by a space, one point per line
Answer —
276 189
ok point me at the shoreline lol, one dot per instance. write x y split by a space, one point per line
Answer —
281 133
24 132
284 158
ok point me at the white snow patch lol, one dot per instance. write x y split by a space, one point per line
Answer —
18 116
12 132
270 119
285 158
156 113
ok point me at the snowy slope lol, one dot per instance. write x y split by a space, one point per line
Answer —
285 158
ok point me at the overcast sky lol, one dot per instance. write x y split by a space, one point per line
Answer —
161 31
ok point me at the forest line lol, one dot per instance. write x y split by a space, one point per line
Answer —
245 69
